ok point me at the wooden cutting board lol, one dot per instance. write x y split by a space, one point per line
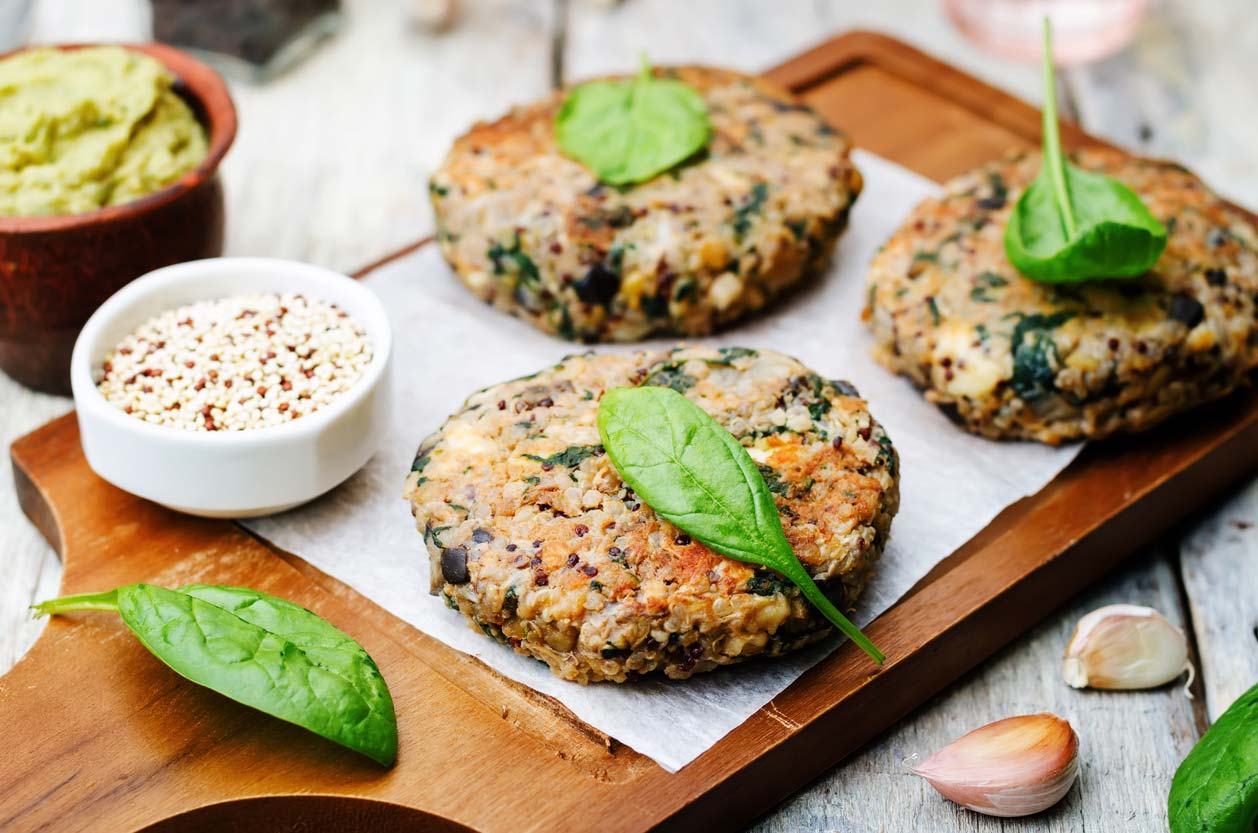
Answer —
98 735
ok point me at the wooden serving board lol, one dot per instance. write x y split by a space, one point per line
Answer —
98 735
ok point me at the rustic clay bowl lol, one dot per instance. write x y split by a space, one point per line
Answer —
56 270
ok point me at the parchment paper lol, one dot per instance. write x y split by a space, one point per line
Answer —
449 344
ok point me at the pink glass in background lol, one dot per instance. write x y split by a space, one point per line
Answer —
1083 30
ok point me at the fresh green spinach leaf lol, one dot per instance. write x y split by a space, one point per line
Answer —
629 131
1073 225
696 476
261 651
1215 789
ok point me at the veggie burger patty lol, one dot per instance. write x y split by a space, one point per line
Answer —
1011 358
536 540
535 234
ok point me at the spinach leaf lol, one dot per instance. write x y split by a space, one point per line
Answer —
261 651
1073 225
696 476
1215 789
628 131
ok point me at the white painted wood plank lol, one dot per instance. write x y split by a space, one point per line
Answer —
757 34
332 161
1219 564
31 569
1182 91
1130 742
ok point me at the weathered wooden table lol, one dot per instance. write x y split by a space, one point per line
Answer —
330 166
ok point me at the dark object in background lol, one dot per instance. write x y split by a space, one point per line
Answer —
56 270
253 40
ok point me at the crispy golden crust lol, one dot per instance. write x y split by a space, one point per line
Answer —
533 232
1011 358
533 536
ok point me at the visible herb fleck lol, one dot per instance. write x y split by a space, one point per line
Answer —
765 583
750 207
1035 357
671 375
773 480
570 457
513 261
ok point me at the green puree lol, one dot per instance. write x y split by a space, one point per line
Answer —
86 128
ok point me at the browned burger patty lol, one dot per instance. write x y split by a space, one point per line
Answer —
1012 358
534 233
535 539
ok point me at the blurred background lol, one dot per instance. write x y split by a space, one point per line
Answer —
346 106
334 149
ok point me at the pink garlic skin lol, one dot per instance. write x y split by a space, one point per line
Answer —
1013 767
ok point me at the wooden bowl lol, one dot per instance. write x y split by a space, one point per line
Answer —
56 270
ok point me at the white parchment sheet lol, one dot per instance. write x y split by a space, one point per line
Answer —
448 344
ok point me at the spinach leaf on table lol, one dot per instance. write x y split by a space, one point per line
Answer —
261 651
1073 225
1215 789
696 475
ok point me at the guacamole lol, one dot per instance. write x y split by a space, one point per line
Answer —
85 128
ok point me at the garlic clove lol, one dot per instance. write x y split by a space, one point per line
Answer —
1125 647
1013 767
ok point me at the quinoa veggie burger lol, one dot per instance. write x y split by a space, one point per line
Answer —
673 203
536 539
1009 357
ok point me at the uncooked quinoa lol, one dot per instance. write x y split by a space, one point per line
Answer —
231 364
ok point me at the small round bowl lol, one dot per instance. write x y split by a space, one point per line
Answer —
58 269
232 474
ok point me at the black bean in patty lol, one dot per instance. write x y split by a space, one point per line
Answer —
1187 310
454 565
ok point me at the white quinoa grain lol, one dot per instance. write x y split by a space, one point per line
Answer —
232 364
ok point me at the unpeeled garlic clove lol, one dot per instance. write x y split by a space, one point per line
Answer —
1125 647
1013 767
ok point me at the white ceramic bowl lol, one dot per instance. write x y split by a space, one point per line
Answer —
232 474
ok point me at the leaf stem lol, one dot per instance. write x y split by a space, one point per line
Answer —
813 593
1053 161
108 600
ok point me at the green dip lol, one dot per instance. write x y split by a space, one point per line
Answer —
85 128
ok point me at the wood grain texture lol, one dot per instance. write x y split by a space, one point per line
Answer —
1121 734
1220 572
